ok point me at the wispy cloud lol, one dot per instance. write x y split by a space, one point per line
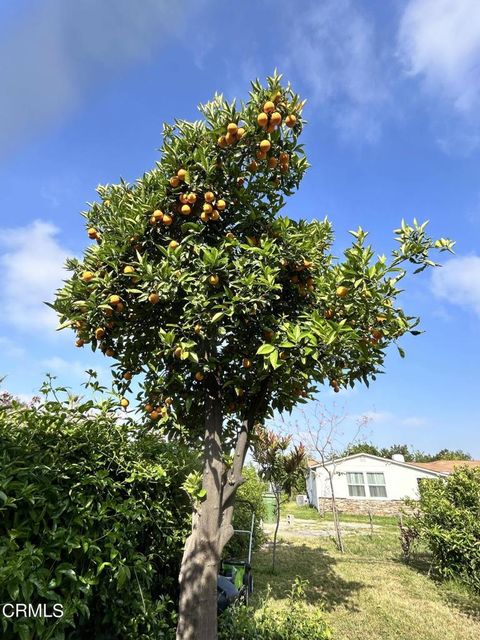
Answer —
458 282
385 417
335 49
54 59
10 349
32 261
75 368
439 43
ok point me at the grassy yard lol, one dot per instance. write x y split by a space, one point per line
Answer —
368 592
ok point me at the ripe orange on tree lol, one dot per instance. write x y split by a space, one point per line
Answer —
262 120
276 118
268 107
291 120
265 146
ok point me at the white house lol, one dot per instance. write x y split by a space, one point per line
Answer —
363 482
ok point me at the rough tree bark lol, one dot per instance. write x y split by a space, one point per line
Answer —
211 525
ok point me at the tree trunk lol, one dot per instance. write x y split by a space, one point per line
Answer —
336 519
277 524
211 522
197 615
199 569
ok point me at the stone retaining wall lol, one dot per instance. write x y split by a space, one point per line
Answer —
376 507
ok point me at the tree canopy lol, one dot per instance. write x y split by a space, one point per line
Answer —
192 271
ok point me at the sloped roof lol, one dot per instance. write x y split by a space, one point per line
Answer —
446 466
409 465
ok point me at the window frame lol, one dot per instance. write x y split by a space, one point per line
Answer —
377 486
350 484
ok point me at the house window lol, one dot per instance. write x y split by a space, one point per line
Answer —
356 485
376 485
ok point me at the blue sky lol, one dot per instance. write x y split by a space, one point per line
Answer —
393 93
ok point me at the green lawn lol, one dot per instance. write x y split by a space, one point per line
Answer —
368 592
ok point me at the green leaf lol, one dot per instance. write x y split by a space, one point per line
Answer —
274 359
217 316
265 349
123 575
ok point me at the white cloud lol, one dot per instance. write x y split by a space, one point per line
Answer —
440 41
31 260
389 418
58 365
335 49
414 421
458 282
10 349
59 52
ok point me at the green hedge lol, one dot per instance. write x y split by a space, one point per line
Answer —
449 522
92 516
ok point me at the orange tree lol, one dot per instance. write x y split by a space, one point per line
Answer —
225 310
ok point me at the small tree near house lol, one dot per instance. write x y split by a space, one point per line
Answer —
225 310
322 435
281 468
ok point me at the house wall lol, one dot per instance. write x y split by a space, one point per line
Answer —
401 481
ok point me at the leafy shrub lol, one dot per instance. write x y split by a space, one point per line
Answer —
249 498
92 516
296 621
449 522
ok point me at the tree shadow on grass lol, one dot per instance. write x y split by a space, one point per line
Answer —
326 587
456 594
462 599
